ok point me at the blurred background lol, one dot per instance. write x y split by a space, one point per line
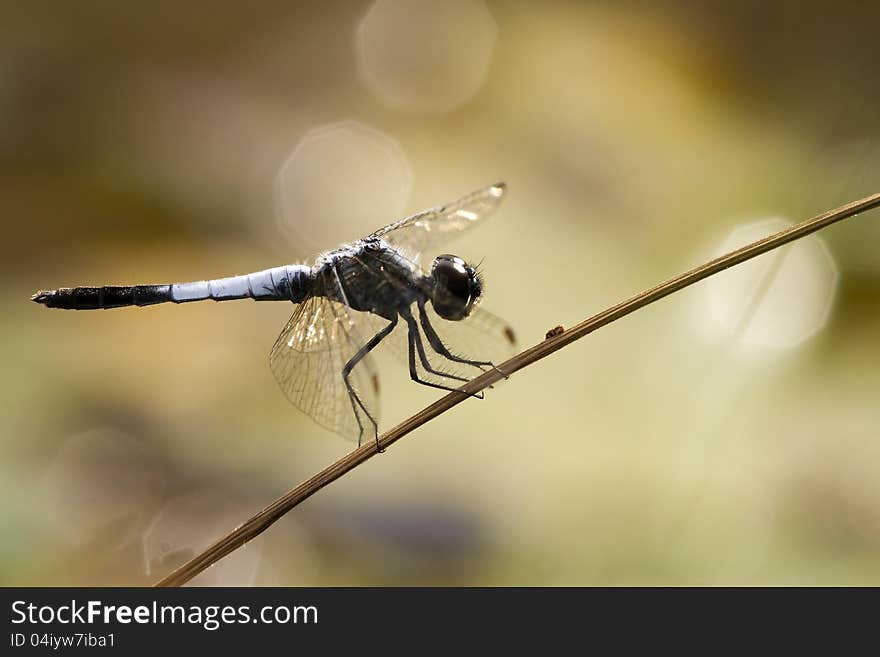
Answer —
727 435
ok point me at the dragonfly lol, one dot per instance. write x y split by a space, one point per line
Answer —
349 301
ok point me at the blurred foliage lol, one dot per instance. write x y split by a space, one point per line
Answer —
141 142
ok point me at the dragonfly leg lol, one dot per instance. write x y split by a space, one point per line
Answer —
423 357
357 416
438 346
352 394
414 340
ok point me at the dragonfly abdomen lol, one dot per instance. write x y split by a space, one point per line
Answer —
286 283
106 296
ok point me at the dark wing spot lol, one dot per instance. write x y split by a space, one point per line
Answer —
376 384
509 334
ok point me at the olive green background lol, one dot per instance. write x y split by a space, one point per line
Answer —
140 142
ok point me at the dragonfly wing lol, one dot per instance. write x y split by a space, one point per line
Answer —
307 361
424 230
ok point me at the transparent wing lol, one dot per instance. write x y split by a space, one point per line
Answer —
307 360
429 228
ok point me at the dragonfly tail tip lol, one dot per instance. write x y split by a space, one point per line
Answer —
43 296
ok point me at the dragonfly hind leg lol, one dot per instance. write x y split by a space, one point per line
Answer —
353 397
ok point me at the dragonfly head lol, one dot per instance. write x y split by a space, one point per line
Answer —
456 287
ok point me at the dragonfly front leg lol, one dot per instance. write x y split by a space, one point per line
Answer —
414 340
423 357
438 346
355 399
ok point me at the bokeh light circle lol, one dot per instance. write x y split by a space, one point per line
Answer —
777 300
188 524
342 181
426 56
101 483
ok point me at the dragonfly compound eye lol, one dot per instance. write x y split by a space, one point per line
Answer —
456 287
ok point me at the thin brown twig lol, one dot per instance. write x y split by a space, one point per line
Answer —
261 521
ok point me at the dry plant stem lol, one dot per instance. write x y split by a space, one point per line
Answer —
260 522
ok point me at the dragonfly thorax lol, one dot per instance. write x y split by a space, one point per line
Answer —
369 276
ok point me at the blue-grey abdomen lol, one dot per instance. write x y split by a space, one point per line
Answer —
286 283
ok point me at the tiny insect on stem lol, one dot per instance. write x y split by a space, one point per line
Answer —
265 518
